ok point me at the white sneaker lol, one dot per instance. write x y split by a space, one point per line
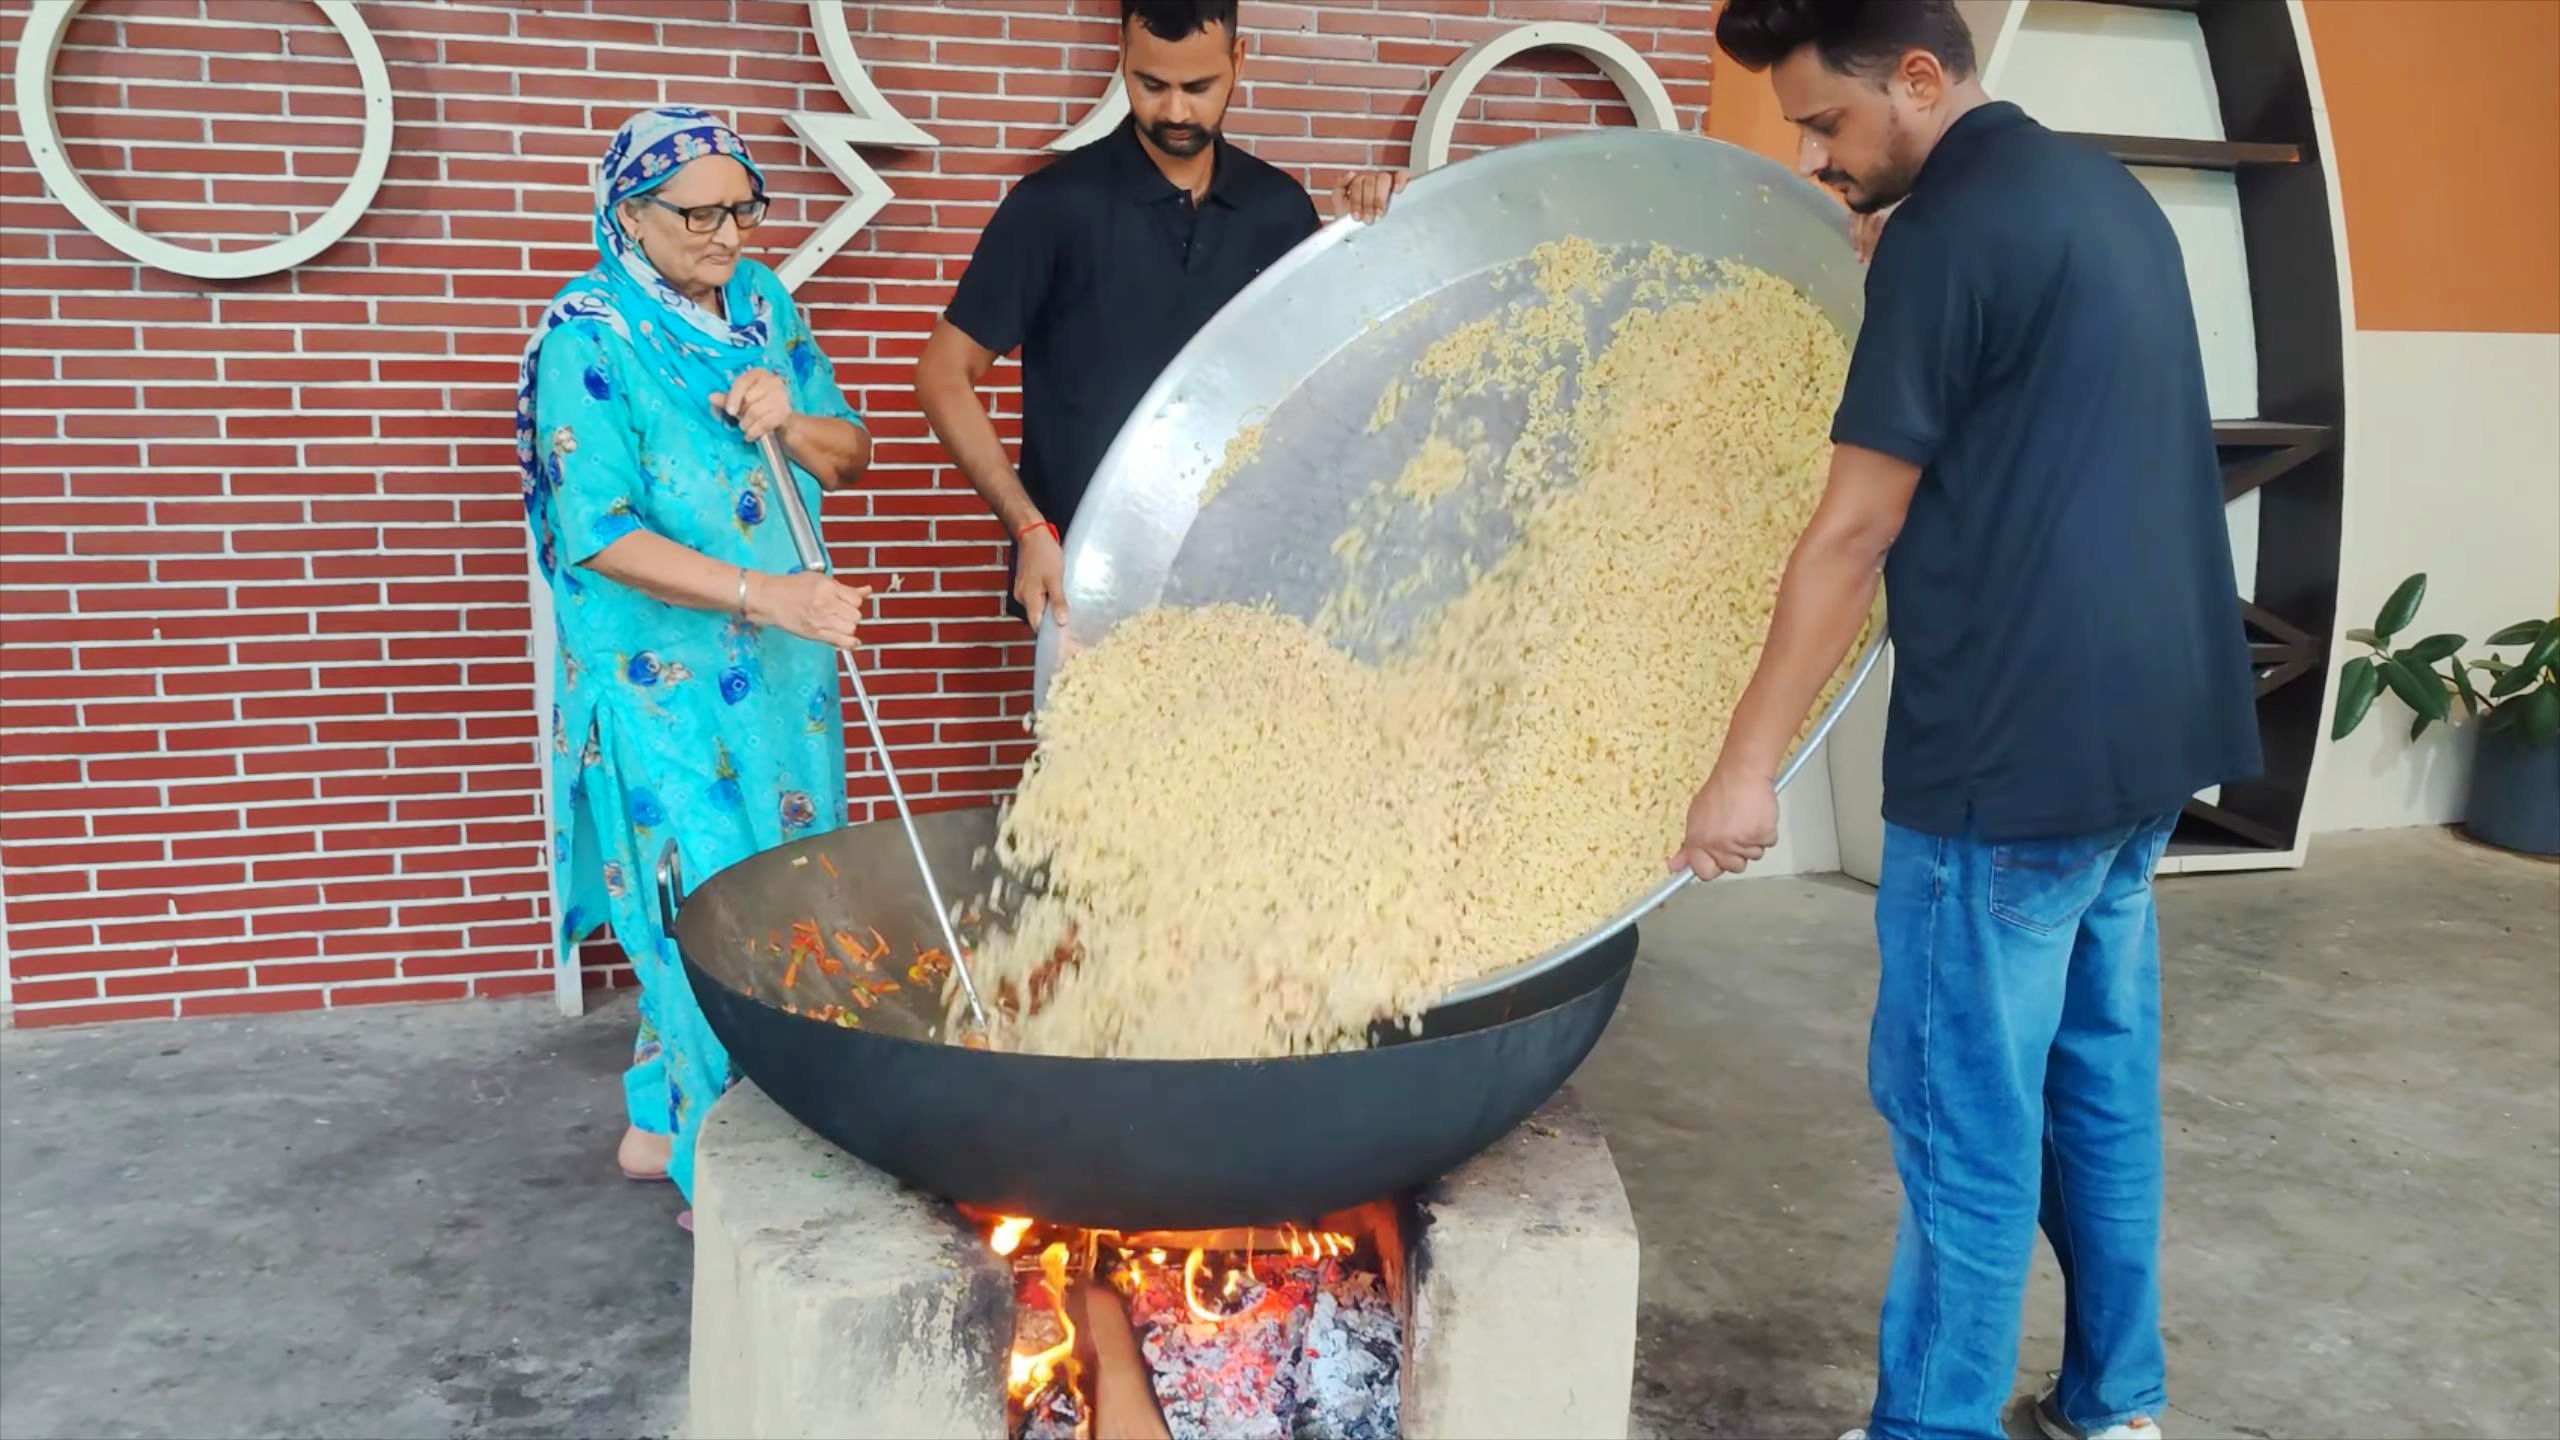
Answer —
2050 1420
1858 1434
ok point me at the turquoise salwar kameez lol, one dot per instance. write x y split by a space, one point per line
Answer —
672 725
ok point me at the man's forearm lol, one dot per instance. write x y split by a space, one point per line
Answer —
1824 599
960 422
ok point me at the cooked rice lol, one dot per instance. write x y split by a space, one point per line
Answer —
1257 845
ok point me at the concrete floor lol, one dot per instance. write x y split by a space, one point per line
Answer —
398 1223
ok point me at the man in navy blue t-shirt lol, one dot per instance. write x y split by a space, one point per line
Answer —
1100 268
2024 450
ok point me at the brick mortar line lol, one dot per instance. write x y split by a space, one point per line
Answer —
324 989
251 885
166 807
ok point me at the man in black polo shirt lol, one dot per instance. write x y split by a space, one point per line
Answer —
1101 267
2023 447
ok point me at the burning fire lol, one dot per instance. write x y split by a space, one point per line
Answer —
1194 1330
1006 1234
1033 1373
1217 1279
1318 1244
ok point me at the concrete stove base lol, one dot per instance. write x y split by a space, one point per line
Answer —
1520 1290
828 1300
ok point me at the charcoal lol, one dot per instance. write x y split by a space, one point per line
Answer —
1314 1351
1354 1359
1235 1379
1051 1414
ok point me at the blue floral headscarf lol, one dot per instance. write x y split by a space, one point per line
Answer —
703 352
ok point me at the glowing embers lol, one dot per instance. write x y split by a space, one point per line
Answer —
1260 1334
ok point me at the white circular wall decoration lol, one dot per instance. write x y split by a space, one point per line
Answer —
1617 59
51 20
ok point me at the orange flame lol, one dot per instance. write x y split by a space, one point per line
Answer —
1030 1372
1008 1234
1191 1268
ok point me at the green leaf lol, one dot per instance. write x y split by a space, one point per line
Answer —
2432 649
2420 690
2501 717
2358 683
2462 686
2418 726
2520 634
2511 682
2492 664
2542 716
2362 636
2402 607
2544 650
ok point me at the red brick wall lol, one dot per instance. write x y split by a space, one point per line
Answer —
266 728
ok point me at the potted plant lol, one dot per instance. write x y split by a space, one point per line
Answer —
2515 778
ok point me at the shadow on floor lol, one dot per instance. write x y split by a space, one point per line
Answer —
407 1222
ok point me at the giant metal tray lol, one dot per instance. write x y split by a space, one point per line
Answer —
1305 351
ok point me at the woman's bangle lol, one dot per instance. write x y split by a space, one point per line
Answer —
742 592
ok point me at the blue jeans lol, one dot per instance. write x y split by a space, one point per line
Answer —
2016 1059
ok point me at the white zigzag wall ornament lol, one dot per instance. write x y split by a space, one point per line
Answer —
874 121
1101 120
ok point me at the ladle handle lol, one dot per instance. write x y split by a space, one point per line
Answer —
813 556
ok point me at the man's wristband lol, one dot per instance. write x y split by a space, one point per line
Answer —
1025 532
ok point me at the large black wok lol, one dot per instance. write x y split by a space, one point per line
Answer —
1129 1144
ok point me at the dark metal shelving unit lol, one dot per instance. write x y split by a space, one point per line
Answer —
2293 453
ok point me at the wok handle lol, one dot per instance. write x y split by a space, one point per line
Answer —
813 556
670 889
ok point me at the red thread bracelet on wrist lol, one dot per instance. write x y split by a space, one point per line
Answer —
1025 531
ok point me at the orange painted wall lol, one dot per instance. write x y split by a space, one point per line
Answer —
2446 117
1741 108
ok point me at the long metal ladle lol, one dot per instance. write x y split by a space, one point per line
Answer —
813 556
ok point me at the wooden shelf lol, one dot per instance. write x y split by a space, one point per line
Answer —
2268 432
2272 448
2250 832
2191 154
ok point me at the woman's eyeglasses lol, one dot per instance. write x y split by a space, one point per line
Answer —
703 219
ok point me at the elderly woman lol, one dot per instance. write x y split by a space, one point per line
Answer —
697 679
